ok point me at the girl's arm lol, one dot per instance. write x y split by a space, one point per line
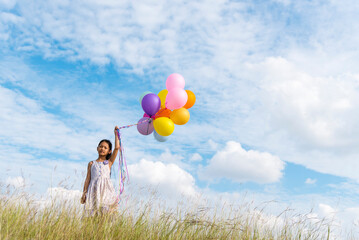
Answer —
87 182
115 150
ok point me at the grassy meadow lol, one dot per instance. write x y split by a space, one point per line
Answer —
21 217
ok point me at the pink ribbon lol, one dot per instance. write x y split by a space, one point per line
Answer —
122 159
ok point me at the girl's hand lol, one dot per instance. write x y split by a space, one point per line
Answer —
83 198
115 131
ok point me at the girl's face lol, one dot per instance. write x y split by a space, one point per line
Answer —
103 149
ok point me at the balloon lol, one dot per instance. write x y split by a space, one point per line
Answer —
142 95
191 99
163 112
163 126
146 115
145 127
151 103
162 95
175 80
180 116
159 137
176 98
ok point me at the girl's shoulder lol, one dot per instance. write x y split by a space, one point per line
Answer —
90 163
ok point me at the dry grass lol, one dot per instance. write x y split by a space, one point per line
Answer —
22 217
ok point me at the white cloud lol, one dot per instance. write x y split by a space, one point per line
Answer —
168 179
7 4
285 2
17 182
10 18
121 32
344 219
315 110
237 164
28 124
213 145
350 217
326 211
58 197
196 157
40 173
169 157
63 194
310 181
313 117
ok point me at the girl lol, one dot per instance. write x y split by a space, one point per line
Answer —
99 195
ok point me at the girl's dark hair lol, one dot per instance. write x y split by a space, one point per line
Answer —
109 145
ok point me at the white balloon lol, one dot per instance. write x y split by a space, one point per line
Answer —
159 137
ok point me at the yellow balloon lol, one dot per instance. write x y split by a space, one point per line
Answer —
180 116
163 126
162 95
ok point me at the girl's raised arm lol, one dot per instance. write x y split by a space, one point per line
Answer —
117 147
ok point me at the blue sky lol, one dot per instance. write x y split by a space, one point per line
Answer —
276 85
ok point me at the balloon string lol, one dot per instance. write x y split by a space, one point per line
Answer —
122 159
127 126
159 112
120 162
148 125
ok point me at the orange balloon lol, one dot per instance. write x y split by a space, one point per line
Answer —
163 112
191 99
180 116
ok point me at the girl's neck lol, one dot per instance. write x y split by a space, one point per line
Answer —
101 159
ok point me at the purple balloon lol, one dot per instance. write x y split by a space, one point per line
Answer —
151 103
145 127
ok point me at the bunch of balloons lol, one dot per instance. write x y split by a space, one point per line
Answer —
165 109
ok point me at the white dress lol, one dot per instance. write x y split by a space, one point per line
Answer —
101 195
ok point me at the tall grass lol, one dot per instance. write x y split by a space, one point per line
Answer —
22 218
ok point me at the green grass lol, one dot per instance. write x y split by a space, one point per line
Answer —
22 218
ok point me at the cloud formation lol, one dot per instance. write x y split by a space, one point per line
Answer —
28 124
16 182
240 165
168 179
314 117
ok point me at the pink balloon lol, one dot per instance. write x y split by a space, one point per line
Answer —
146 115
175 80
176 98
